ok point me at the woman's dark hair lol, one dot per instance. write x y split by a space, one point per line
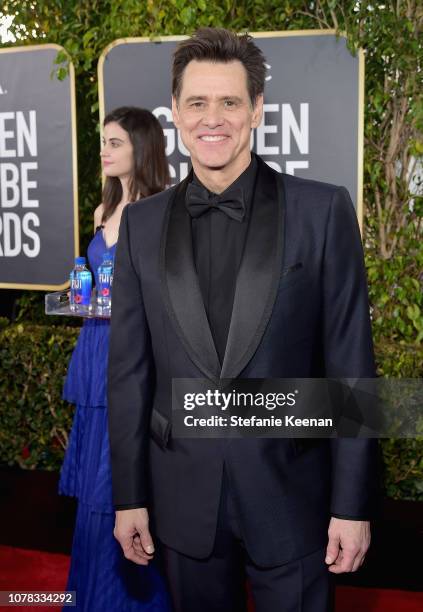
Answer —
220 45
151 172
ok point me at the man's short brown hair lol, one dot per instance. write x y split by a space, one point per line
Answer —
220 45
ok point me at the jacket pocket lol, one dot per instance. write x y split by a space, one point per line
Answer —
159 428
291 269
291 275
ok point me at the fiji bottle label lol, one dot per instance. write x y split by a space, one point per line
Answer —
105 281
81 288
104 286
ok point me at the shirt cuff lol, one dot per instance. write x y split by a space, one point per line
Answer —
346 517
141 504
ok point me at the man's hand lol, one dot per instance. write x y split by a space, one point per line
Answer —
348 544
132 533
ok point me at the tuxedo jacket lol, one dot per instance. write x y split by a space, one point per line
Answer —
300 311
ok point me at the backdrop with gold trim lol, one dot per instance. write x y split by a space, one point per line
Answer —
313 113
38 187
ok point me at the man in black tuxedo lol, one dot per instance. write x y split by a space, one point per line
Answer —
237 272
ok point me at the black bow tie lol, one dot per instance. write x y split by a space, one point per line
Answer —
199 201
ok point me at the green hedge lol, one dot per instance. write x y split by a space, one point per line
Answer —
403 459
34 421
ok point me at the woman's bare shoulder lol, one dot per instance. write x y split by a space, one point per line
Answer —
98 213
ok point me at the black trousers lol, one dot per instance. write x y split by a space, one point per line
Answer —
218 583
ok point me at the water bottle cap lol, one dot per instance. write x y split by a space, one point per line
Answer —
80 261
107 256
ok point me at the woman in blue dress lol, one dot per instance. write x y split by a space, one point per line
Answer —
135 165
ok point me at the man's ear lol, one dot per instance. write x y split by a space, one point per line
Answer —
175 112
257 111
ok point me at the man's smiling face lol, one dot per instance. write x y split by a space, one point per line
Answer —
215 116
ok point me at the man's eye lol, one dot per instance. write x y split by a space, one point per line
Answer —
115 145
229 103
197 104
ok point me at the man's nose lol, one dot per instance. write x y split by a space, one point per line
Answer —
213 116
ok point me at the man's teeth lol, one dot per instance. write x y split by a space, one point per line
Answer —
212 138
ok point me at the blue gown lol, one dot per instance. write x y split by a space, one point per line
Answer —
101 576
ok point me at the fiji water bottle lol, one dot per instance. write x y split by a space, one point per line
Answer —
105 281
81 284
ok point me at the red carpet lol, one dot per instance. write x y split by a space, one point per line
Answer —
33 570
30 570
353 599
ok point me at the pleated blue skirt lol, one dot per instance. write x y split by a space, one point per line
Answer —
101 576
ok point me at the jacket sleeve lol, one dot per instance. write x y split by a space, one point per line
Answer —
130 379
348 353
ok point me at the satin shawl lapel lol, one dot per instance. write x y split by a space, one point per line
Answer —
181 289
259 273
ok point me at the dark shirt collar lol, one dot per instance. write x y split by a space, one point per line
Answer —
245 181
